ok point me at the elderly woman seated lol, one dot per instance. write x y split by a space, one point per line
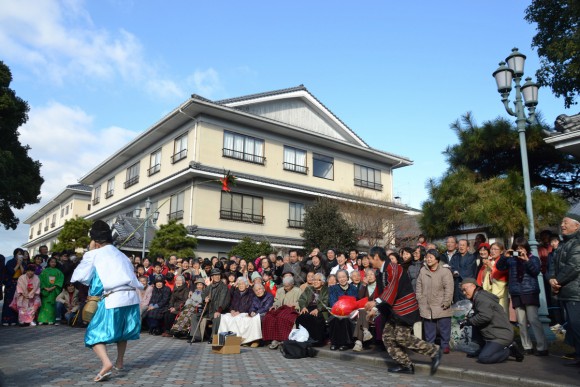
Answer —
158 305
176 303
314 309
279 321
372 290
193 305
341 328
248 324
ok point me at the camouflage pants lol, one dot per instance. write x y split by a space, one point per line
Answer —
397 338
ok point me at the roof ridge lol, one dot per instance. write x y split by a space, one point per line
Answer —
259 95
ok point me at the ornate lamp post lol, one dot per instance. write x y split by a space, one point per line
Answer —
504 76
153 217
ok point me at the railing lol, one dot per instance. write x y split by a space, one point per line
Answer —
368 184
154 169
241 216
295 168
249 157
132 181
295 223
108 194
38 232
96 201
178 156
175 215
45 228
52 225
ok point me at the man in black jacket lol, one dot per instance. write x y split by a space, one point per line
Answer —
493 329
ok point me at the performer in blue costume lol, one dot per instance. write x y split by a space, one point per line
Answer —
109 274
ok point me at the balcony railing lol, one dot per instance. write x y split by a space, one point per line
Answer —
31 235
179 156
154 169
295 223
296 168
175 215
52 225
45 228
109 193
368 184
96 200
38 232
132 181
241 216
249 157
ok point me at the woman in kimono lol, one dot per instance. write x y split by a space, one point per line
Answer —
51 281
28 296
109 275
13 270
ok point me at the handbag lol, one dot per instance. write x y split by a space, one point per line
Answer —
90 308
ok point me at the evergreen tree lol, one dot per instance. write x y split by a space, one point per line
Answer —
74 234
326 228
172 239
20 179
249 249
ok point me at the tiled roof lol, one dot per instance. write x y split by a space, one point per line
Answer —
283 183
125 226
273 240
285 91
565 123
80 187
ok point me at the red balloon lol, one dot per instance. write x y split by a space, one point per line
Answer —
346 304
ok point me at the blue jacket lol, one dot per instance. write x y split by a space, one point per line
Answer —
336 291
531 269
465 265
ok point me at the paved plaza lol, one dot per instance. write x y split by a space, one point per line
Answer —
56 356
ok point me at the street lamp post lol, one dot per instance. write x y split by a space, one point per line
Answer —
504 76
153 217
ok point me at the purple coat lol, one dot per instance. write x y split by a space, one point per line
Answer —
242 302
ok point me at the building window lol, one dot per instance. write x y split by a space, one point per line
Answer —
46 224
154 162
323 166
244 208
132 175
367 177
296 216
246 148
110 188
179 149
97 196
61 212
88 207
31 232
176 206
66 210
53 223
39 228
295 160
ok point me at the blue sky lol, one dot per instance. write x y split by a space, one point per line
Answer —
398 73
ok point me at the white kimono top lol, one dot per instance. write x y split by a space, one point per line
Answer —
116 273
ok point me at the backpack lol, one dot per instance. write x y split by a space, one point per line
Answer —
292 349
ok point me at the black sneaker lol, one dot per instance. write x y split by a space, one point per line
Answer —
515 351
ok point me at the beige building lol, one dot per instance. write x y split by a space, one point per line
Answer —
47 222
285 148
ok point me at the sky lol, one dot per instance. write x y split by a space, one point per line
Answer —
398 73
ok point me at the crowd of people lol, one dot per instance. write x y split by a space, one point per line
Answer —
410 293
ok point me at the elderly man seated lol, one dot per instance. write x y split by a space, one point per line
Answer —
279 321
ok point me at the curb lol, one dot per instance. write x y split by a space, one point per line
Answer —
443 371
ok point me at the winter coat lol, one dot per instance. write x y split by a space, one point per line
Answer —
159 300
566 268
219 295
490 318
335 291
261 305
242 302
308 295
435 292
465 265
178 297
528 283
413 271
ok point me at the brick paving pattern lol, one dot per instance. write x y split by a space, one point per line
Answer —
56 356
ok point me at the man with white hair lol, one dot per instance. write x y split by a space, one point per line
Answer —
565 278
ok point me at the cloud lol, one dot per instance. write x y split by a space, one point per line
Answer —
59 43
206 82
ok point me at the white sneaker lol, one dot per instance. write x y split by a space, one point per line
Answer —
367 335
357 346
50 323
57 323
33 324
5 324
274 344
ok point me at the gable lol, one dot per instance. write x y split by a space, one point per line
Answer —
296 107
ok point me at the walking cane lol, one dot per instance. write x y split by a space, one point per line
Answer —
200 319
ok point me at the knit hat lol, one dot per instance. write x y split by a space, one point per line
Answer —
469 281
215 271
254 276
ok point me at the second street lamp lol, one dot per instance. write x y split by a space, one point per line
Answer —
153 217
504 76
